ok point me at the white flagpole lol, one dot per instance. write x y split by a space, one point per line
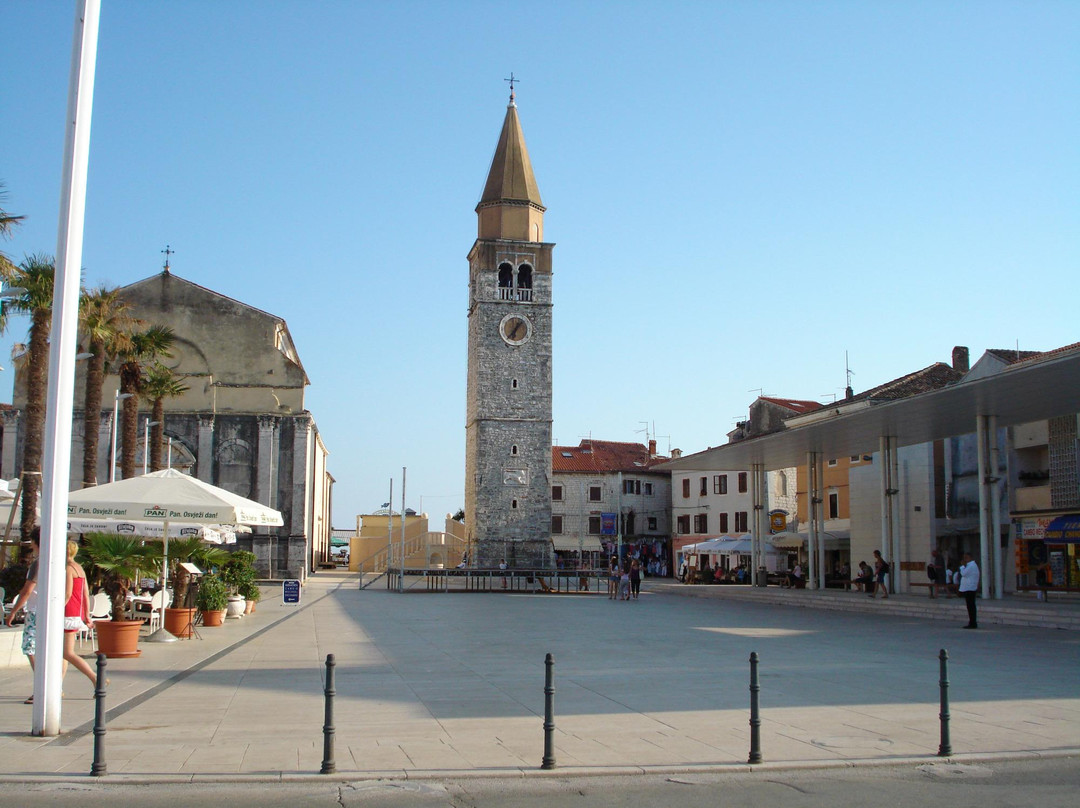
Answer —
56 467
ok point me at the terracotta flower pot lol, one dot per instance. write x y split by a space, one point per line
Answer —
249 606
180 622
118 639
213 618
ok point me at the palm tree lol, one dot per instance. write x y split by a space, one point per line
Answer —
35 277
7 224
159 383
107 326
120 559
144 347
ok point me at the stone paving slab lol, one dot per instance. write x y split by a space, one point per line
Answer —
454 683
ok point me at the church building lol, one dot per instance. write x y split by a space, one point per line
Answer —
508 399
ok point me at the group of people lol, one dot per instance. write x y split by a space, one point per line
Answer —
624 582
76 610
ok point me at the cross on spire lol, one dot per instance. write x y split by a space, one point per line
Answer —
512 80
167 253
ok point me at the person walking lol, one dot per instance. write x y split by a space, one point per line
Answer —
969 587
935 572
76 612
613 578
27 600
881 569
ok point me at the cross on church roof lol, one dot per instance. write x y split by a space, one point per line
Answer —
167 253
512 80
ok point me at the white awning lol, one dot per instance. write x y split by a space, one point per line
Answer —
574 543
796 541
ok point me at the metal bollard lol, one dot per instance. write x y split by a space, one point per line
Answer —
755 711
549 713
98 768
328 765
945 748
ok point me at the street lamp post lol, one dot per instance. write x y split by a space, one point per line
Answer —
115 414
146 440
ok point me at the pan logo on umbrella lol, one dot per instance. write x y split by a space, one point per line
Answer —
156 512
125 527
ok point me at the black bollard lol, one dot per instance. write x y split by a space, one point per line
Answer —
549 713
98 768
328 765
755 712
945 748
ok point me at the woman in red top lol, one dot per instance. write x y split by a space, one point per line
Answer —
76 612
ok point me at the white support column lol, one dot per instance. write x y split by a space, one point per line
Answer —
884 470
820 477
757 486
894 515
205 460
997 568
984 521
813 505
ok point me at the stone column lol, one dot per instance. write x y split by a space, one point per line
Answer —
205 460
264 486
11 443
104 455
299 534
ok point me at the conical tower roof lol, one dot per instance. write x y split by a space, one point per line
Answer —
511 176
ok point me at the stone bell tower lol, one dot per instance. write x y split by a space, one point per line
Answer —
508 401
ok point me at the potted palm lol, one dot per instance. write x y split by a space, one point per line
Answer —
180 617
212 600
118 560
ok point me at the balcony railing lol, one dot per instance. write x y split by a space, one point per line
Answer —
520 295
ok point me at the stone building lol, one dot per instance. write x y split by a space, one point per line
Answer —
241 425
600 477
508 399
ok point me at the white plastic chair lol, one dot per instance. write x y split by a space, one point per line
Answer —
100 609
161 600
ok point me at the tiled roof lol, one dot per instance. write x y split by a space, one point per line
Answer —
603 456
1011 355
921 381
795 405
1037 356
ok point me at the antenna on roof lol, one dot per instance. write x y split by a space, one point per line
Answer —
759 390
848 392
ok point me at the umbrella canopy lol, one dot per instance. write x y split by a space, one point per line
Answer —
167 497
214 534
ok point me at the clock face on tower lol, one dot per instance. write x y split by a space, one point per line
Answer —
515 329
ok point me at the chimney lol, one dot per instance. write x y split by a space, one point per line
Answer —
652 448
676 454
848 393
960 360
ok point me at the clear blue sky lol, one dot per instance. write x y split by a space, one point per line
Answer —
739 193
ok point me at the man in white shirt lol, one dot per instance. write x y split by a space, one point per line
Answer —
969 586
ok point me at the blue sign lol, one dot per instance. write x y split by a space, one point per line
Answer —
290 591
607 524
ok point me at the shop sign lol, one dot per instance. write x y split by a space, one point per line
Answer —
607 524
777 521
1033 529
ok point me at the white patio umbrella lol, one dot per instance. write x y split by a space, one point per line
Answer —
168 497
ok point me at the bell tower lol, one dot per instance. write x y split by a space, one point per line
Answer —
508 400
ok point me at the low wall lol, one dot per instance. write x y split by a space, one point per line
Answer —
11 655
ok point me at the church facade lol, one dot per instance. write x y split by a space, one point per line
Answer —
241 425
508 398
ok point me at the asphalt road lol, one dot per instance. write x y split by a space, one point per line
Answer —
1041 783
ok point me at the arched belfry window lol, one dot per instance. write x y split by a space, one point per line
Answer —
506 282
524 282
